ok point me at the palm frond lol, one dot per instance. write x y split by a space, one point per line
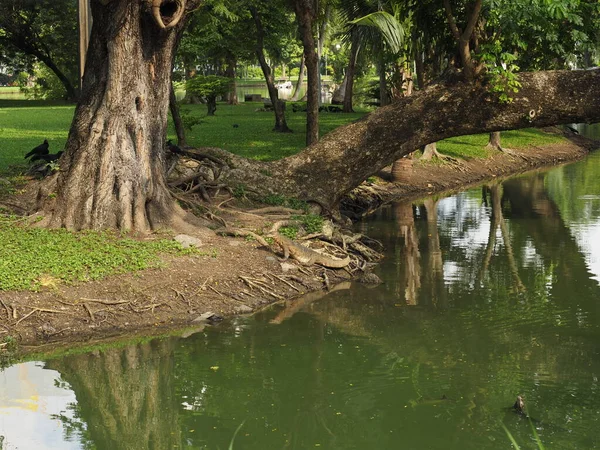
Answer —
392 31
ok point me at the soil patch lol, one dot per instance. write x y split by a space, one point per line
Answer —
233 275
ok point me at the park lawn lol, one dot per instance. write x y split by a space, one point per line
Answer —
473 146
11 93
25 124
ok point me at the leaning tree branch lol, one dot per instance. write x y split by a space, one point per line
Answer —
324 172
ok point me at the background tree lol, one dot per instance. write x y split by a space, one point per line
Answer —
306 14
209 87
44 31
261 32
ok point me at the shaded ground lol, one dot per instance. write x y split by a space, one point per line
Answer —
186 288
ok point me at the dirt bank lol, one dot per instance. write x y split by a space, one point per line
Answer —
233 275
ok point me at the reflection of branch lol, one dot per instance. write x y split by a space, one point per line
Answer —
511 257
498 221
489 250
293 306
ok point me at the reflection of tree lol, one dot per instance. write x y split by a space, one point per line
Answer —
434 264
528 199
497 221
126 395
410 257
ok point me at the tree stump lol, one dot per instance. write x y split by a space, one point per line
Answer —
402 170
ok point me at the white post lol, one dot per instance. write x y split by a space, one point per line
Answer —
85 28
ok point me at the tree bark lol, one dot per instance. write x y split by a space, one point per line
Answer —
300 81
306 15
350 71
179 127
113 168
324 172
278 106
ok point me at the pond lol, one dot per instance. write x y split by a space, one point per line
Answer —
487 294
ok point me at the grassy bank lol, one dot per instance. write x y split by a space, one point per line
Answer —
31 258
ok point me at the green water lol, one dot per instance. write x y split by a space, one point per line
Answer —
487 294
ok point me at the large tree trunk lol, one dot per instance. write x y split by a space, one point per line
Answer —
326 171
278 106
113 168
306 15
350 71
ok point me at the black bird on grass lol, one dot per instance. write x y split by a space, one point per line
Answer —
41 149
174 148
46 158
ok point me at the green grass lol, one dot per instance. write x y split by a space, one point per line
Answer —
31 257
25 124
9 92
473 146
254 138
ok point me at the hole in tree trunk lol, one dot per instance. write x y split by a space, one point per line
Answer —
138 104
168 10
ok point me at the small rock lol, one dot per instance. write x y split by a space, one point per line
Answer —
209 317
234 243
271 259
286 267
188 241
369 278
243 309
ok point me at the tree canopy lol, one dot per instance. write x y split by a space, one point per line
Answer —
466 55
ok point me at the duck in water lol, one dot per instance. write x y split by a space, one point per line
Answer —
519 406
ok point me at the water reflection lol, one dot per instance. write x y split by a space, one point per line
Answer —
487 294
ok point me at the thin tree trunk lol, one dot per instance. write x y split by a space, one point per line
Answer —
420 67
69 88
430 152
384 98
300 81
305 15
230 72
495 142
179 127
113 166
463 37
350 71
320 45
278 106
